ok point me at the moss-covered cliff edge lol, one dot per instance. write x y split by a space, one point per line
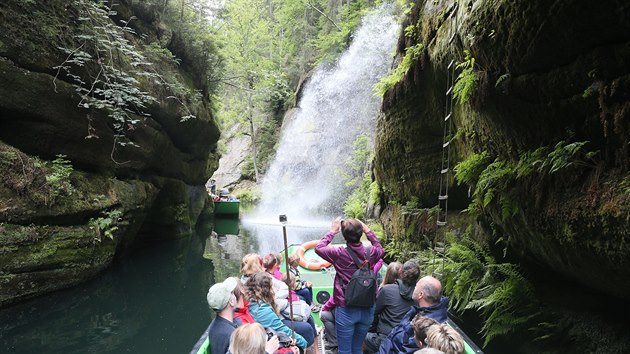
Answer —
62 220
545 133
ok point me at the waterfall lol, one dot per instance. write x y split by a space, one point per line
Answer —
337 106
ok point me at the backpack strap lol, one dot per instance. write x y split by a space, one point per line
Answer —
368 254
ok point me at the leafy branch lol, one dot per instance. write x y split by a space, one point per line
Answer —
111 64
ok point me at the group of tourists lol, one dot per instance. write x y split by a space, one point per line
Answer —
405 314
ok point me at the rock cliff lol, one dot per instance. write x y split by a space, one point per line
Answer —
552 96
79 186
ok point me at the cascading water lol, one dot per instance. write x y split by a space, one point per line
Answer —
337 106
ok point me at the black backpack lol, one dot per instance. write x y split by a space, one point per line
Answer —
361 289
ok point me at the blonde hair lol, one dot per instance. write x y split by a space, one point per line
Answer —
445 338
250 265
393 272
294 260
248 339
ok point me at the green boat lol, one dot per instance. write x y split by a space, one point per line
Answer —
227 207
323 280
322 276
226 225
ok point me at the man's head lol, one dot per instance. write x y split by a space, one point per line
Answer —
351 230
428 292
227 293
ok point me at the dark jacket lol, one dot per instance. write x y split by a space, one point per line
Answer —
400 340
219 334
392 303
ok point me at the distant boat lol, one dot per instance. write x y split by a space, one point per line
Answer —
227 207
226 204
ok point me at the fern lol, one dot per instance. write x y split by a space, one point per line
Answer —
475 280
469 170
467 80
565 155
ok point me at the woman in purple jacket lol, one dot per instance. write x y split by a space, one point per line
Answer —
352 322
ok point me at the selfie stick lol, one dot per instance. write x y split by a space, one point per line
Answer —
283 220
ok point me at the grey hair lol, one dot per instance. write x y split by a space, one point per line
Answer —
431 293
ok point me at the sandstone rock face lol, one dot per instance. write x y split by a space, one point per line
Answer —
58 229
548 72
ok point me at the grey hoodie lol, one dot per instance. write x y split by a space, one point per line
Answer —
392 303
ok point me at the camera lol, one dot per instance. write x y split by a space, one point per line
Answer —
283 339
283 218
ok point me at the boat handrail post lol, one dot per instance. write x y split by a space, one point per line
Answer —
283 221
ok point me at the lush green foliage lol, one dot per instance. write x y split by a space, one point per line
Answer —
105 225
114 85
493 181
114 71
59 178
467 80
388 82
566 154
475 280
469 170
269 46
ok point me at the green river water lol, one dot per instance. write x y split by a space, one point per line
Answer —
152 301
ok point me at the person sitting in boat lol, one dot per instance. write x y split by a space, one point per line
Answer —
303 289
445 338
223 298
272 265
394 271
252 339
427 350
213 187
420 326
224 195
392 303
429 301
262 306
301 310
352 322
252 264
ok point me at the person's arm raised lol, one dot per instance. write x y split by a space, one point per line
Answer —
322 248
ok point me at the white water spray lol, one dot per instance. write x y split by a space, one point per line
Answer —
337 106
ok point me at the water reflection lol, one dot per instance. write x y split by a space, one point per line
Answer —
152 302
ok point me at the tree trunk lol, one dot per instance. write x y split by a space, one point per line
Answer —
250 117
